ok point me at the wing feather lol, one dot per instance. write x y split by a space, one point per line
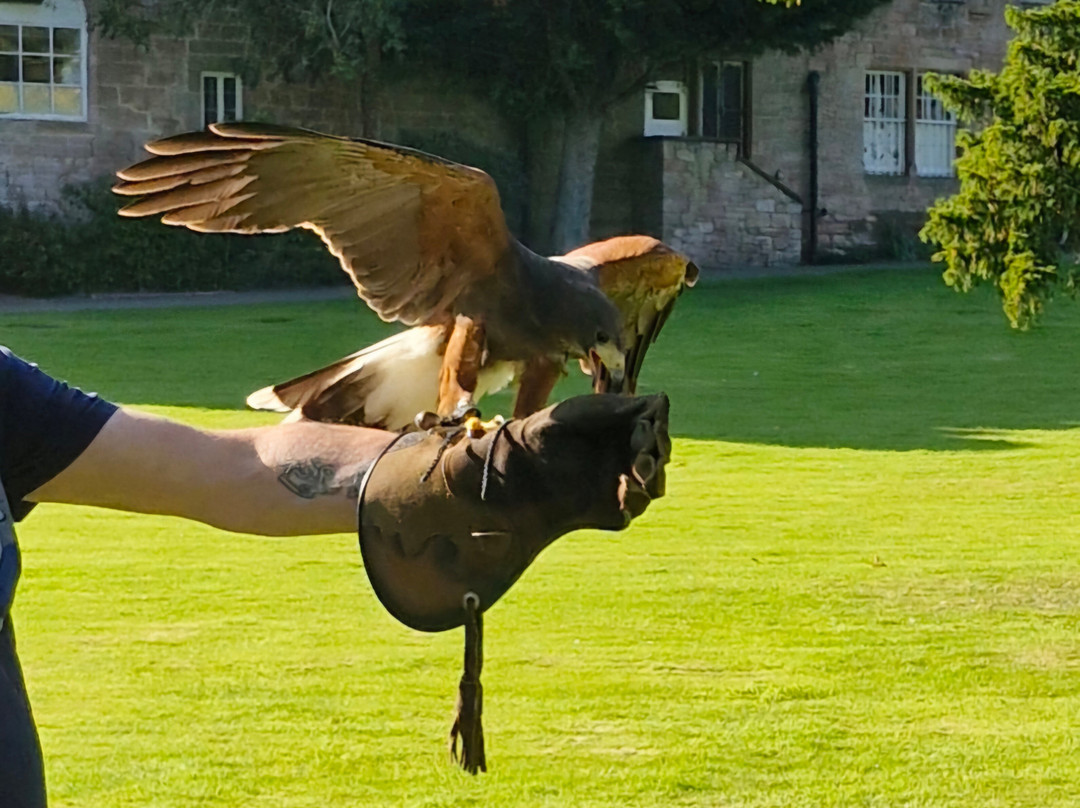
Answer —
412 230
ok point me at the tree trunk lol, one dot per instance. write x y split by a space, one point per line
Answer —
542 147
573 204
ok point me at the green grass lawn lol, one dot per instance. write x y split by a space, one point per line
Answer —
863 588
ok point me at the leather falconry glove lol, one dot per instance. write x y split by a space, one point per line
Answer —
447 523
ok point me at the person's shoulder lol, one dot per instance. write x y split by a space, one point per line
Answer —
8 362
9 358
12 366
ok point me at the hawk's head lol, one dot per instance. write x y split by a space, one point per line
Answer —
596 329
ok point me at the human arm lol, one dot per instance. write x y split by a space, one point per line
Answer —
290 479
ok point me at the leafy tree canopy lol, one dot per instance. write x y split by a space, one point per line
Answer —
541 56
299 39
533 55
1015 221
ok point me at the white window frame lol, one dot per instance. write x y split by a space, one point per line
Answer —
935 134
885 122
219 102
51 14
663 127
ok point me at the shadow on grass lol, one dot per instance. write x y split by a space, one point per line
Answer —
871 360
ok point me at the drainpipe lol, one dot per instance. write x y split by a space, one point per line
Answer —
813 81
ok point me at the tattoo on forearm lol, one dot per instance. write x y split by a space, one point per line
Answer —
309 479
315 478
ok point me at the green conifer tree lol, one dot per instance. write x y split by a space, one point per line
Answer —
1015 221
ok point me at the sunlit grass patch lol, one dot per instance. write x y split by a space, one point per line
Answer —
863 587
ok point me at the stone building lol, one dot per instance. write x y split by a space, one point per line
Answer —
722 164
716 158
76 106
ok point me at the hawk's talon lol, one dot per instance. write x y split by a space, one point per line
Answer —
463 411
477 428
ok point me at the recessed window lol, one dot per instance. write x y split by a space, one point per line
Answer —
222 95
43 60
665 109
935 134
884 122
723 101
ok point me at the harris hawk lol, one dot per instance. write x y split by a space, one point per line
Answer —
423 239
387 383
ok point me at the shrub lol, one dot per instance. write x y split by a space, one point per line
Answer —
85 248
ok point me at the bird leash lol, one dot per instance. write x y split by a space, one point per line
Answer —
466 739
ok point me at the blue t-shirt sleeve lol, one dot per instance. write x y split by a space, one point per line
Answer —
44 426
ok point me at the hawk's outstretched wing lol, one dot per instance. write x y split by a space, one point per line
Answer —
643 277
413 231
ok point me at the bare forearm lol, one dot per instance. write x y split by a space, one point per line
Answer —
291 479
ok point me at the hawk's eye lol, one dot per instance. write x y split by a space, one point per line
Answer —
602 337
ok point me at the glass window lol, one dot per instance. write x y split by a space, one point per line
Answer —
43 60
67 40
935 135
723 101
884 122
9 39
222 95
35 39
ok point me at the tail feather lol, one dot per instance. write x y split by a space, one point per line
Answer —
384 385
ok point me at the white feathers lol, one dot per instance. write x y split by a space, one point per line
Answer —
385 384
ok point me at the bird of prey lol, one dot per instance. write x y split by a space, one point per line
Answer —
423 239
384 384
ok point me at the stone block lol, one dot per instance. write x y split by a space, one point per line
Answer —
216 47
121 74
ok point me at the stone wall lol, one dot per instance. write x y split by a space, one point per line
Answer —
719 212
910 36
862 213
136 95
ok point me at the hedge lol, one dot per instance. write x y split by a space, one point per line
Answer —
85 247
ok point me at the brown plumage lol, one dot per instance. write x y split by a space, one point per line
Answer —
386 384
423 239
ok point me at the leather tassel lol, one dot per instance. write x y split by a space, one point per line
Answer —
470 701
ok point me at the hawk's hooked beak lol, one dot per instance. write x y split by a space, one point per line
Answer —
607 356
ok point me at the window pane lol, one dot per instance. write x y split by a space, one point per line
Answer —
666 106
35 69
710 89
66 40
229 93
36 100
731 102
9 98
9 38
67 101
209 90
66 70
9 68
35 40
